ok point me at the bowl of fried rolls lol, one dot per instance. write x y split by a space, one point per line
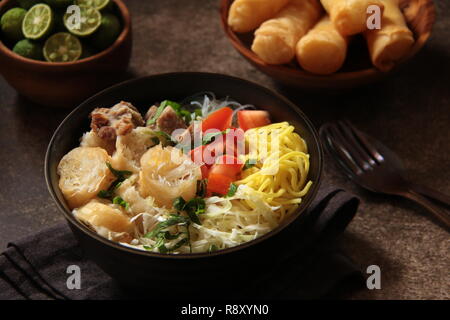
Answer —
335 44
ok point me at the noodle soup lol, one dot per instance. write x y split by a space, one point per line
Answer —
199 175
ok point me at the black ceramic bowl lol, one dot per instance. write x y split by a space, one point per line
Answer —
186 272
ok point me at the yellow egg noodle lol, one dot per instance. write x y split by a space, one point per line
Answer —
286 188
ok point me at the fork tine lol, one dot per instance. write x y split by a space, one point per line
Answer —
364 140
343 158
355 143
342 142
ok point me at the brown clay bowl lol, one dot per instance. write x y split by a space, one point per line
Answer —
358 70
67 84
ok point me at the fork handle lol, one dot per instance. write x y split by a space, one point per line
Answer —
431 193
436 212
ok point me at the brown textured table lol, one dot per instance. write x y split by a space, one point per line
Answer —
409 112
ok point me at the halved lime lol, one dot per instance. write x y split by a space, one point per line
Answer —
62 47
97 4
89 21
38 22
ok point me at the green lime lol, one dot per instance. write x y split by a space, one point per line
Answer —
89 21
27 4
97 4
62 47
107 33
11 23
29 49
59 3
38 22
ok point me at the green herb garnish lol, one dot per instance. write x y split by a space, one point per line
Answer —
160 245
185 115
121 202
155 140
158 112
172 221
179 110
105 194
162 235
198 112
209 137
212 248
250 163
232 190
179 244
179 203
194 207
121 176
118 173
164 138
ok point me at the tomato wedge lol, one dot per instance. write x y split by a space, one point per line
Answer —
219 119
207 154
205 171
197 155
218 183
227 165
249 119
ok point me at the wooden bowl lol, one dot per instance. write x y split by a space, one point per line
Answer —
67 84
357 70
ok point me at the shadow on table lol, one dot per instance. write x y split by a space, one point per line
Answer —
370 254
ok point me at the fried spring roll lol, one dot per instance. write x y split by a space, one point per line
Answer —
392 42
323 49
350 16
247 15
275 39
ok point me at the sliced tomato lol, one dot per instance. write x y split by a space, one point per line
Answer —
218 183
234 142
205 171
219 119
212 151
249 119
227 165
205 156
197 155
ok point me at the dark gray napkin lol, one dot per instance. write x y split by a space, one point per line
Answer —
36 267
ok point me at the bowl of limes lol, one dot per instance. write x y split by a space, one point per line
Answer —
59 52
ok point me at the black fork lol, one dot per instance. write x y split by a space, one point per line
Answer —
373 166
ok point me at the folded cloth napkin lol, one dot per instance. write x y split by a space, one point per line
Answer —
36 267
